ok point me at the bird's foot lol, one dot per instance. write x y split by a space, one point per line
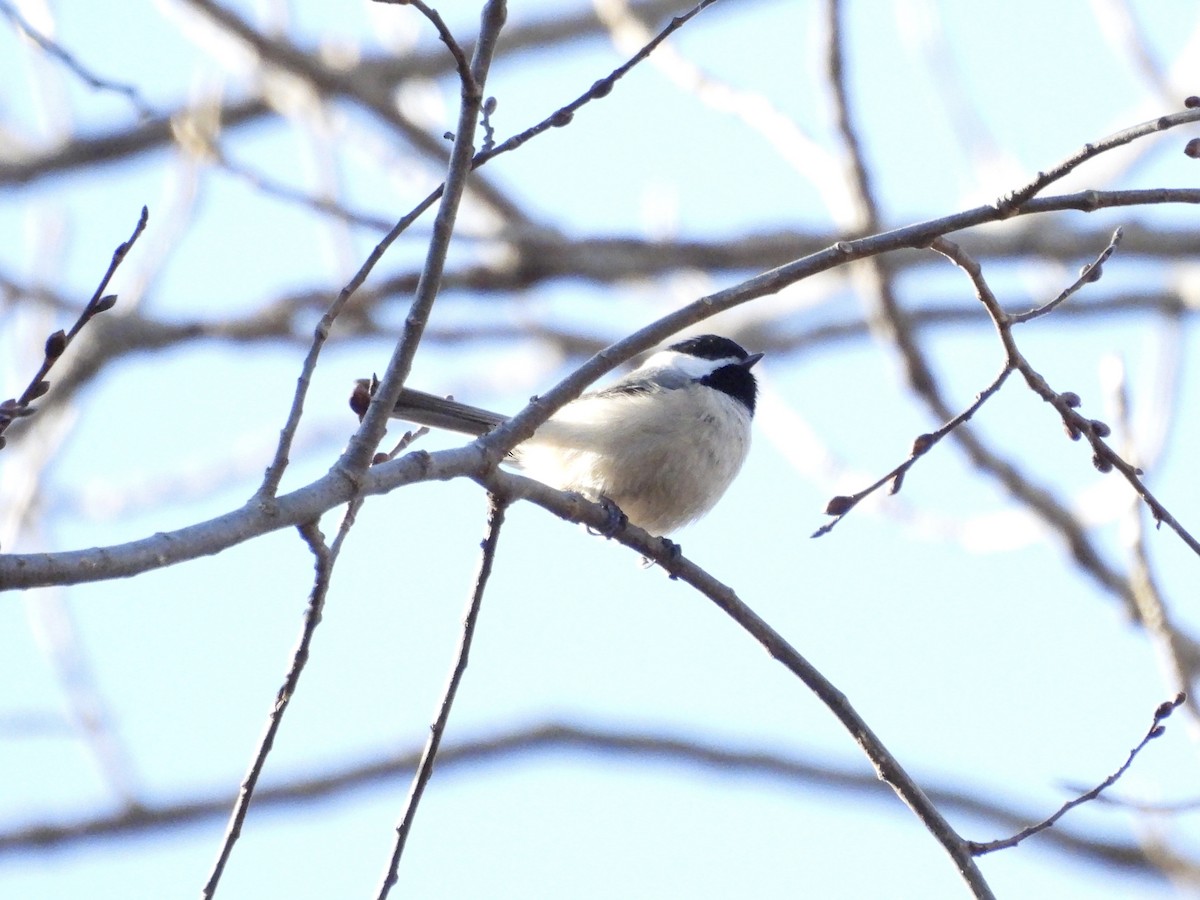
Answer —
615 522
673 552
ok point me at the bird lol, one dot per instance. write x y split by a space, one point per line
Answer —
662 443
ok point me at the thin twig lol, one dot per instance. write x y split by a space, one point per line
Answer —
98 82
57 343
1077 425
1156 729
424 771
324 561
456 51
1012 201
1088 274
840 506
601 88
325 557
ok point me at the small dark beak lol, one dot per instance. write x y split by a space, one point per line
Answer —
749 361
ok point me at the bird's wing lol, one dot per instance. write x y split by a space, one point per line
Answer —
646 381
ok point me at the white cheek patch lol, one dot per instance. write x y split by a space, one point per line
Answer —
692 366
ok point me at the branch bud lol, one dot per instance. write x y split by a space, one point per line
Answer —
921 443
56 344
839 505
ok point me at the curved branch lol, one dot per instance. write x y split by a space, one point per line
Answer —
607 744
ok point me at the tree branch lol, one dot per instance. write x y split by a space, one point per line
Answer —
429 753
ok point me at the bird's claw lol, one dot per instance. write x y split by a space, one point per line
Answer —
615 522
673 552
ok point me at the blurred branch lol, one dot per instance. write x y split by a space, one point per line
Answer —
54 49
384 72
461 758
803 152
1176 650
350 85
549 258
887 315
1124 33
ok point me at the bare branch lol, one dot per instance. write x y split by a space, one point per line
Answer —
1156 729
669 557
1014 199
646 747
57 343
86 75
362 446
424 771
1087 275
839 507
324 562
460 59
1105 458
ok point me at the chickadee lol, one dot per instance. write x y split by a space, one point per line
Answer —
662 443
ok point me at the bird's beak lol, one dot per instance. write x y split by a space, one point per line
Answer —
749 361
